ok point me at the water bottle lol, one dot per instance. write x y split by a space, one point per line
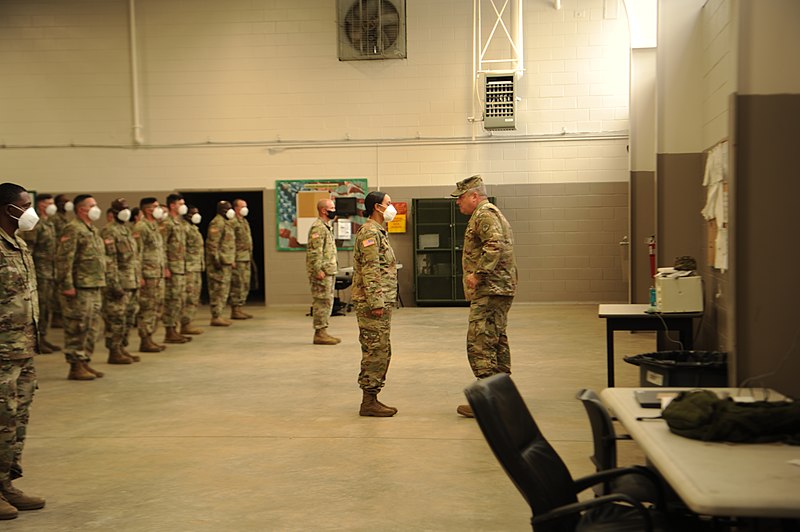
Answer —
652 297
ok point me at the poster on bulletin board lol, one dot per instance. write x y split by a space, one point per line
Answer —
398 225
302 195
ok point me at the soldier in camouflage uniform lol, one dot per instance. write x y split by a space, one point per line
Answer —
195 266
63 215
240 275
80 276
174 229
151 294
220 260
374 294
490 281
19 311
41 241
321 269
123 277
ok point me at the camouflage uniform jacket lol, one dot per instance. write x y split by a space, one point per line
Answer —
220 242
19 302
80 257
174 232
123 252
195 256
41 241
60 221
374 267
489 253
320 250
151 248
244 239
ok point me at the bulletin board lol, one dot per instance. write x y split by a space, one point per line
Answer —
286 193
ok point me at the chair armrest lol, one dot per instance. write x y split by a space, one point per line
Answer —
578 507
588 481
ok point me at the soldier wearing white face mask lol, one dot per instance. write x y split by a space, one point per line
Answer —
174 230
41 241
151 294
123 278
240 277
80 276
220 261
62 216
195 266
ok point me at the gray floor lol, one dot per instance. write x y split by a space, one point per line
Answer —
254 428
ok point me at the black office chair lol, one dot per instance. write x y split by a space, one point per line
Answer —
541 476
647 487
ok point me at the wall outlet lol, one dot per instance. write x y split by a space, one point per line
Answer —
581 14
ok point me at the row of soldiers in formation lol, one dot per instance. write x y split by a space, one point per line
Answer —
143 267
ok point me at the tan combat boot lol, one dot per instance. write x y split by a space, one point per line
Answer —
19 500
220 322
43 349
321 337
115 356
370 406
90 369
78 373
465 410
186 328
7 511
172 337
124 351
146 345
238 314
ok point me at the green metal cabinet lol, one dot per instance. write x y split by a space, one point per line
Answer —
438 240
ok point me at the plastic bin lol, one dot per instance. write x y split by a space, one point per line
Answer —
681 368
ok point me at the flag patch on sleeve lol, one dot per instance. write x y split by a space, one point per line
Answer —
368 242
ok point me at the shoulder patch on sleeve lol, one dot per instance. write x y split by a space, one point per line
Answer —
65 238
314 235
213 230
368 242
109 240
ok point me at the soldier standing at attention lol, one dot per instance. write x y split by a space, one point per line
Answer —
64 208
19 310
490 281
173 230
81 275
240 276
374 294
220 260
123 276
195 266
151 293
321 269
41 241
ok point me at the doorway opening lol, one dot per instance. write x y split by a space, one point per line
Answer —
206 202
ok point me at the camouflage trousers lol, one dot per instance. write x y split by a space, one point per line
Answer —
174 295
322 302
376 347
119 317
487 344
17 387
151 305
240 283
194 286
47 297
81 323
219 287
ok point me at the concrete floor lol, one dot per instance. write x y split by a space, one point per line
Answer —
254 428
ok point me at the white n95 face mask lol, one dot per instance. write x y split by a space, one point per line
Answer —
389 213
230 214
124 215
183 209
196 218
158 213
69 206
27 220
95 213
244 211
51 209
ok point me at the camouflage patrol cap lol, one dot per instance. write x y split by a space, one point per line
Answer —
467 184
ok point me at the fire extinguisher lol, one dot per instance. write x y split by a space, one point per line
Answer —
651 251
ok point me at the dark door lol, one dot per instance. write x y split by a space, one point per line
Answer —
206 202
